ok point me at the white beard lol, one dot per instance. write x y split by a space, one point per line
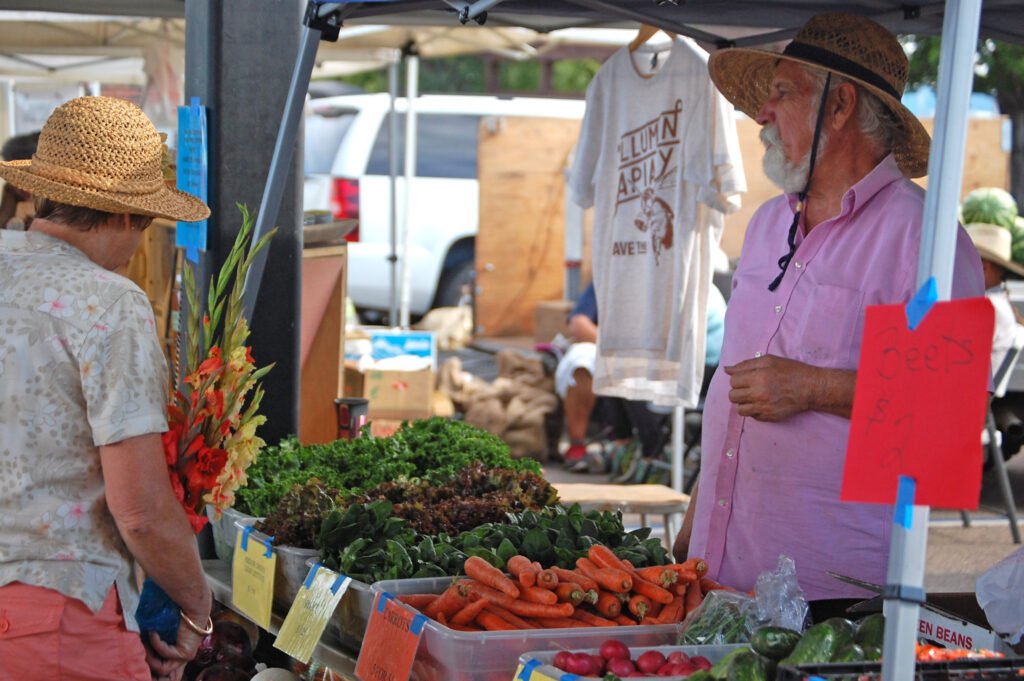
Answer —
788 176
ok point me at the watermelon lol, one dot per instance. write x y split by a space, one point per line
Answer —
990 205
1018 240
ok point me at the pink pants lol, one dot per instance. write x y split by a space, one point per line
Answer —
46 636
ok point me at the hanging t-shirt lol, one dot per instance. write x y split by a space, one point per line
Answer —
659 161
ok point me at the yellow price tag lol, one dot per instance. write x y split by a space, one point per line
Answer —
532 670
312 608
252 576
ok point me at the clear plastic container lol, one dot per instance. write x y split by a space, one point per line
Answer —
348 624
448 655
290 573
224 531
547 668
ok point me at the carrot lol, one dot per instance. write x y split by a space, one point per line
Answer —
523 569
707 584
698 565
454 598
547 579
603 557
491 595
468 613
511 618
684 573
591 596
625 620
559 623
570 593
679 588
659 575
492 622
536 594
655 609
694 597
576 577
462 627
651 590
639 605
649 621
442 619
673 612
608 605
592 619
526 609
609 579
482 571
418 601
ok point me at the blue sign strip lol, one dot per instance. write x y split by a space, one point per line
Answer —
246 531
339 582
905 501
921 303
527 671
311 576
382 600
192 174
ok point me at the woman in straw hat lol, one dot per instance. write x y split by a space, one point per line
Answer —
844 235
83 401
995 246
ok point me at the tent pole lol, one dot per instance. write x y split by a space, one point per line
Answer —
938 250
412 70
393 193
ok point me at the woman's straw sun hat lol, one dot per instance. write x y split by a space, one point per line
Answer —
848 45
102 153
995 244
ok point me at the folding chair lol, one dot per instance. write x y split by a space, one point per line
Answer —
992 440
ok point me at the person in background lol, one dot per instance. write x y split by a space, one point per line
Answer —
15 204
574 385
841 145
994 246
83 401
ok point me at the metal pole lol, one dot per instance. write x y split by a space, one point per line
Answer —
393 192
280 162
938 250
678 425
412 66
573 237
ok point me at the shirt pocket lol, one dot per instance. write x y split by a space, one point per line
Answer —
826 331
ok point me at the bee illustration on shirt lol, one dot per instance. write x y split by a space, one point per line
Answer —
656 216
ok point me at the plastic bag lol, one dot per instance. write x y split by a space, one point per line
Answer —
1000 593
726 617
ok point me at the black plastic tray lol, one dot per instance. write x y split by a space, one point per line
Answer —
983 669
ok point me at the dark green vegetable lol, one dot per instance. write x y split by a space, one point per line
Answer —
719 621
851 652
296 519
700 675
721 668
821 642
774 642
871 631
747 666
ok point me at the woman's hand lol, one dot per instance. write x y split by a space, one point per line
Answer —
168 662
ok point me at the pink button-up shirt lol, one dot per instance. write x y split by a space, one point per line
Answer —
773 488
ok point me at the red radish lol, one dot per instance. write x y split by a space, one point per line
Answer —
579 664
666 669
678 657
612 649
650 662
561 658
598 668
676 670
701 662
621 667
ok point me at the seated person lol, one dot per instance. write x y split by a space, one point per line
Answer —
16 208
574 384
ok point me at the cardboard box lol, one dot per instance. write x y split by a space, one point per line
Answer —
955 620
550 318
382 343
394 395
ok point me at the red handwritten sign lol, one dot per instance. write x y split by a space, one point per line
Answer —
919 405
389 646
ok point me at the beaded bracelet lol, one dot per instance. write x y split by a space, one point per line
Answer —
195 627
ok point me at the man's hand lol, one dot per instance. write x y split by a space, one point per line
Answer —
771 388
166 662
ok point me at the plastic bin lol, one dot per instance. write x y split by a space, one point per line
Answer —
982 669
546 657
290 573
348 623
448 655
224 531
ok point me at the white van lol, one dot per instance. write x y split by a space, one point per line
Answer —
346 173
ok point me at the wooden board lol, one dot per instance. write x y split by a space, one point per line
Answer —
520 247
986 164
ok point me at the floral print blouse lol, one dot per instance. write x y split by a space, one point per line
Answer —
80 367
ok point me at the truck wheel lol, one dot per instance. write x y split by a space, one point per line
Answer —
449 291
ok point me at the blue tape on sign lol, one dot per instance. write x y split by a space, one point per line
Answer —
905 501
246 531
341 581
417 624
311 576
267 542
568 677
815 678
921 303
527 671
382 602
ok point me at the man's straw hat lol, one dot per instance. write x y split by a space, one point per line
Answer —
995 244
102 153
851 46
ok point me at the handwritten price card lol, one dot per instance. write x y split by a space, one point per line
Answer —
313 606
392 637
252 577
919 405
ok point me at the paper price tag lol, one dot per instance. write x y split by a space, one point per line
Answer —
392 637
919 405
313 607
533 670
252 576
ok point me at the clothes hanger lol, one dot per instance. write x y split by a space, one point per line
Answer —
645 33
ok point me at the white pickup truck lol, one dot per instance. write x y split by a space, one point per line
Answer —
346 173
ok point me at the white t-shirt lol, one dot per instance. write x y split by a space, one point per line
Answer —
659 161
1005 327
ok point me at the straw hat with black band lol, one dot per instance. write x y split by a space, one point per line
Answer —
995 244
102 153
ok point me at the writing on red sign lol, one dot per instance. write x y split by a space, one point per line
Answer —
919 405
390 643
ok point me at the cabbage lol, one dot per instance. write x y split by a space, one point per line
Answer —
990 205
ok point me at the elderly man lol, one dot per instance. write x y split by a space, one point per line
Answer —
776 420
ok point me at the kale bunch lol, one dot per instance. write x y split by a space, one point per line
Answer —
297 517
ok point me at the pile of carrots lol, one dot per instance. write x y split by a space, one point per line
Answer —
603 591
